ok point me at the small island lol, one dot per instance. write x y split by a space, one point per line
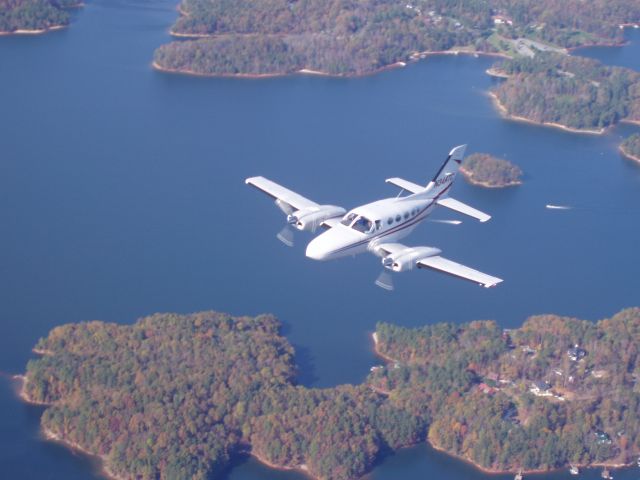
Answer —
33 16
631 147
491 172
278 37
178 396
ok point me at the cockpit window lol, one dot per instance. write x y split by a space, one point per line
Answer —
363 225
359 223
348 219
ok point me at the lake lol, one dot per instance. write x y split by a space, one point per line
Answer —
123 195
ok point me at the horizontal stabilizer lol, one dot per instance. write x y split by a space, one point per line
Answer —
405 184
458 270
463 208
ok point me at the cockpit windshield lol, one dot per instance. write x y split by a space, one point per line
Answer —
348 219
359 223
363 225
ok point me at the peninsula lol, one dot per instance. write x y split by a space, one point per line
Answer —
280 37
491 172
573 93
631 147
33 16
177 396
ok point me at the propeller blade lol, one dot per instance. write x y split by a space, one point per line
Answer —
286 236
385 280
449 222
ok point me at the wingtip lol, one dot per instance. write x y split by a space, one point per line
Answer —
491 285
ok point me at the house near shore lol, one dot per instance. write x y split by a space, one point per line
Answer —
502 20
541 389
602 438
487 389
576 353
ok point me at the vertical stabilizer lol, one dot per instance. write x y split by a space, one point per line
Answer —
443 180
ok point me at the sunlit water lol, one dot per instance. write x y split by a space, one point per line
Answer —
122 195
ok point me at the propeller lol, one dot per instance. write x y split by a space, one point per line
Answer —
286 235
385 280
449 222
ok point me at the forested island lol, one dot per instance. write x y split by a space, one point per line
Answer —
488 171
574 93
631 147
178 396
338 37
33 16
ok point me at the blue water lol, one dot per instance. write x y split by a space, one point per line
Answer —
122 195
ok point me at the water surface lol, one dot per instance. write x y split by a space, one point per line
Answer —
123 195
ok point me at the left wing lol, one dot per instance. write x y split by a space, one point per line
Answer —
398 257
302 213
405 184
447 266
463 208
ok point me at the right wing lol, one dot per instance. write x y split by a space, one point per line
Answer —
278 192
302 213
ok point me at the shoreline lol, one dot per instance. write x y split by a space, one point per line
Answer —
39 31
376 349
51 436
193 73
494 471
22 392
629 155
414 57
299 468
505 113
469 178
302 71
494 72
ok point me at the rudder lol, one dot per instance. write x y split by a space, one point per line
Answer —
445 176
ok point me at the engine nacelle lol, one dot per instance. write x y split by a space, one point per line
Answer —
408 259
310 218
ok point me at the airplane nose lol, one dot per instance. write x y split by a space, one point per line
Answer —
315 250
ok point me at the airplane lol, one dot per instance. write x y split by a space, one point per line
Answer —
377 227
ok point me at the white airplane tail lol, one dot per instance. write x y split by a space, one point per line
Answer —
445 176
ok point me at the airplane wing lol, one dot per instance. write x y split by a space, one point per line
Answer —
302 213
399 257
447 266
278 192
463 208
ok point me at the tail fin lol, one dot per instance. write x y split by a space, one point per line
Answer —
443 180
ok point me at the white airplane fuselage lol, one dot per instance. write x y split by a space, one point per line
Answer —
392 219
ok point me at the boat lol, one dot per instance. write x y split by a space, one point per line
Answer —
606 474
518 475
573 470
638 462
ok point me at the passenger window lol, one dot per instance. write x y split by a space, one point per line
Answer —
390 221
377 224
406 215
398 218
